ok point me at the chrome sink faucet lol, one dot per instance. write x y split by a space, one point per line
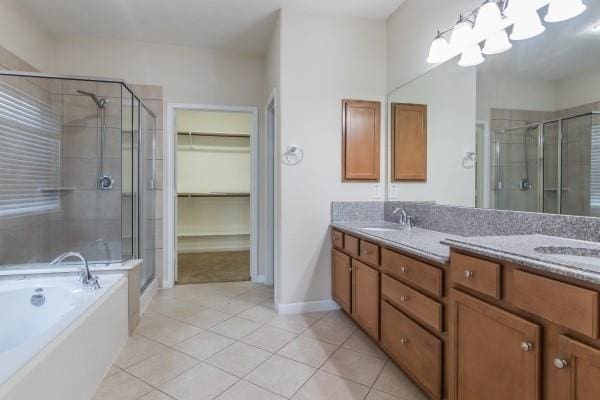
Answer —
404 219
86 278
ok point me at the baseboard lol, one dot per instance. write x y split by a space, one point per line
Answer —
310 306
147 296
167 284
259 279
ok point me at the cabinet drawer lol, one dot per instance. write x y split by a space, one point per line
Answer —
415 349
409 270
337 239
422 307
351 244
573 307
474 273
369 252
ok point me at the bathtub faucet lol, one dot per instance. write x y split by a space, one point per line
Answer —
86 277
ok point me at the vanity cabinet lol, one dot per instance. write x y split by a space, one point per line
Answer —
579 370
496 354
365 297
341 279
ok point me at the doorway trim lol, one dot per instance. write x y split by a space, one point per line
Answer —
170 185
271 221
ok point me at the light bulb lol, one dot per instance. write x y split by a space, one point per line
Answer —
561 10
439 50
488 19
461 34
497 43
471 56
527 25
518 7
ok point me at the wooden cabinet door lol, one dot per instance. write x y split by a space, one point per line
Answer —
360 140
341 274
579 376
409 142
365 297
496 355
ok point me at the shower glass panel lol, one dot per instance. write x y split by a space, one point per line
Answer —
74 169
551 162
517 171
576 155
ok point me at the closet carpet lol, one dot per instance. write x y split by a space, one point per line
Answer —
213 267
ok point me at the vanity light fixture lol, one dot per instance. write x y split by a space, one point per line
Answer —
561 10
489 23
439 51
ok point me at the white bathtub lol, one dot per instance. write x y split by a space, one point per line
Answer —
69 341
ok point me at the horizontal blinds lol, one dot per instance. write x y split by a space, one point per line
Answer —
595 167
29 153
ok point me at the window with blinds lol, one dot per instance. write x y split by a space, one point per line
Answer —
29 153
595 169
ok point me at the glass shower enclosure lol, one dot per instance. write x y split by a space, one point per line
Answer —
552 166
77 171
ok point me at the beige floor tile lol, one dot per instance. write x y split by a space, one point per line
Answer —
269 338
247 391
281 375
165 330
113 370
156 395
232 306
210 299
324 386
338 317
137 349
229 289
329 332
308 351
393 381
235 327
362 343
358 367
259 313
239 359
293 323
207 318
173 308
377 395
199 383
204 345
162 367
121 386
256 296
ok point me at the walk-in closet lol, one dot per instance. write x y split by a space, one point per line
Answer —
213 196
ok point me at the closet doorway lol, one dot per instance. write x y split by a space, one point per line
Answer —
214 197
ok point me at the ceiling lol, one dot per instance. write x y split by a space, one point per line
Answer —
565 49
242 25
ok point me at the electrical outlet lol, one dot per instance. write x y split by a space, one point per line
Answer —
376 191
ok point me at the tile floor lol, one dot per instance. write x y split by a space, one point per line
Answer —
225 341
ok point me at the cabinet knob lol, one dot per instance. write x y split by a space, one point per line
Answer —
349 269
403 340
336 239
403 269
560 363
469 274
526 346
403 298
366 252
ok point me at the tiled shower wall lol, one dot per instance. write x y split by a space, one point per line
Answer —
576 143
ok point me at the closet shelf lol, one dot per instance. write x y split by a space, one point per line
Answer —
215 134
213 194
211 234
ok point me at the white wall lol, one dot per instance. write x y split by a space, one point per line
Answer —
449 92
323 60
410 30
25 38
578 90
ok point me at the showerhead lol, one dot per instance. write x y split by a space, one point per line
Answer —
101 103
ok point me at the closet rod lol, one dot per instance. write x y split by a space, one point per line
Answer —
189 195
214 134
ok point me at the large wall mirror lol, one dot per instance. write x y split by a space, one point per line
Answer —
529 140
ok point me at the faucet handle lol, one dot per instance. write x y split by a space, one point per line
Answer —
410 221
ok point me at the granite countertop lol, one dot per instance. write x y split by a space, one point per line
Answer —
420 242
555 256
